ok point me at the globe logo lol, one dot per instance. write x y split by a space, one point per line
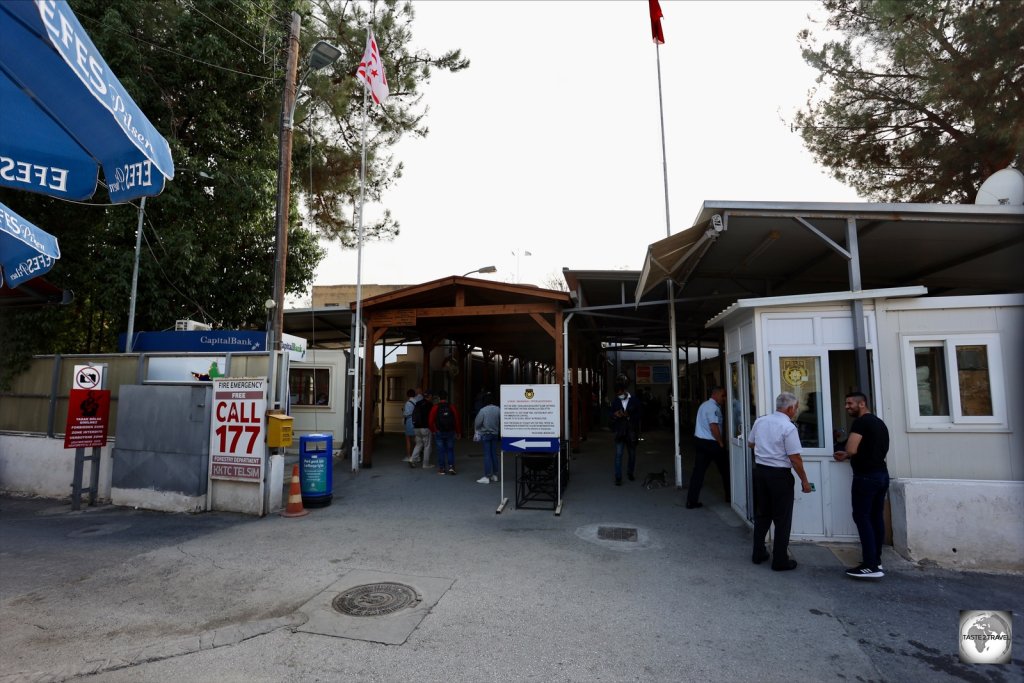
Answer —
986 637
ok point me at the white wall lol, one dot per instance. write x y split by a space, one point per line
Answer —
35 465
966 452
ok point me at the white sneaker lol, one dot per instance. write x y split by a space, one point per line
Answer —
494 477
483 480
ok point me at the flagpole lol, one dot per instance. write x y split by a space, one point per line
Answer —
678 456
358 383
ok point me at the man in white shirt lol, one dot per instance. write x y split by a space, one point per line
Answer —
776 445
709 443
412 398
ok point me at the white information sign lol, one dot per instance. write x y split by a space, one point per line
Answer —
238 428
88 376
530 417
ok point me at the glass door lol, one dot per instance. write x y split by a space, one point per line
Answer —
802 375
805 374
748 392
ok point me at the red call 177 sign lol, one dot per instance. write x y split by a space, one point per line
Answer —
237 427
88 418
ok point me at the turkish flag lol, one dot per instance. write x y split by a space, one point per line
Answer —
371 70
656 15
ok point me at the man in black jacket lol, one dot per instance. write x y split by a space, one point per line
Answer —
626 415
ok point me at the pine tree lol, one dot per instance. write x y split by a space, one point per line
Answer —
919 100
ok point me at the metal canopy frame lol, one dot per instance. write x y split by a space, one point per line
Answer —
816 247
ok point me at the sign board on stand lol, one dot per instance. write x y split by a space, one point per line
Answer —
87 425
530 423
237 428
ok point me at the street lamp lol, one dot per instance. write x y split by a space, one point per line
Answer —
322 55
485 269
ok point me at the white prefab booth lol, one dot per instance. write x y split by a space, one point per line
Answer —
944 374
805 345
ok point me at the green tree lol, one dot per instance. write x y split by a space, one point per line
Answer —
918 100
209 75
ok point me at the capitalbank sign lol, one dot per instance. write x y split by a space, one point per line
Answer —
222 341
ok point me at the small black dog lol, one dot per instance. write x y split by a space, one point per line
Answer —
655 480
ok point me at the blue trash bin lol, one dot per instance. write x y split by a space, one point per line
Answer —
316 469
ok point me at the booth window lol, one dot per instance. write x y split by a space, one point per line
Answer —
954 380
310 386
396 388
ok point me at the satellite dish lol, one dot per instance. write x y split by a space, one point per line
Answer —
1002 188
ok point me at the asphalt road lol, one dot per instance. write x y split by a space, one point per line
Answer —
113 594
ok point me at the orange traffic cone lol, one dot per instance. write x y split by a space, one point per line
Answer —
295 508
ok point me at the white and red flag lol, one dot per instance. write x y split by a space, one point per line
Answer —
656 15
371 70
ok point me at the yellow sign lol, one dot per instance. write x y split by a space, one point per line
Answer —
794 371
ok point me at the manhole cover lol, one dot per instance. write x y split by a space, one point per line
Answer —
616 533
375 599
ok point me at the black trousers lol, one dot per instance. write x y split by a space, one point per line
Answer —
773 503
707 451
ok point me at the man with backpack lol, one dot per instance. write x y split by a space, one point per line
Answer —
421 430
446 426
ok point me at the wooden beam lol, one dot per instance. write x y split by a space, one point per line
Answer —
493 309
544 324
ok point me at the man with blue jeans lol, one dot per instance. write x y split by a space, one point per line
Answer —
446 426
866 448
488 425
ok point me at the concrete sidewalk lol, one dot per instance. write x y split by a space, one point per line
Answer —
114 594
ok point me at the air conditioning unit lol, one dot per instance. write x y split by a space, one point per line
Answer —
190 326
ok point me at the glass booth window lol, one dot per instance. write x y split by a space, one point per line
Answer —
957 380
801 376
975 386
310 386
930 365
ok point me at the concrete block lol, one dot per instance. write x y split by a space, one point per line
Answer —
966 524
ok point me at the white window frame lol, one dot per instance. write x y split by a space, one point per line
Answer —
956 420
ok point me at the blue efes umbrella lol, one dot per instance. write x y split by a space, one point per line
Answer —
63 113
25 250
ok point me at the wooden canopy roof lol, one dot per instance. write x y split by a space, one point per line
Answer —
517 320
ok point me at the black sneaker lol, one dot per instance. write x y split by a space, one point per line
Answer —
863 571
451 470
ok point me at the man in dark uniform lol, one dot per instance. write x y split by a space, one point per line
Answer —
866 449
626 415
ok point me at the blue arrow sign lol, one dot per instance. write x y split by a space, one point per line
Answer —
529 444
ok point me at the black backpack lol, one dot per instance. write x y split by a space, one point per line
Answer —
421 414
445 420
